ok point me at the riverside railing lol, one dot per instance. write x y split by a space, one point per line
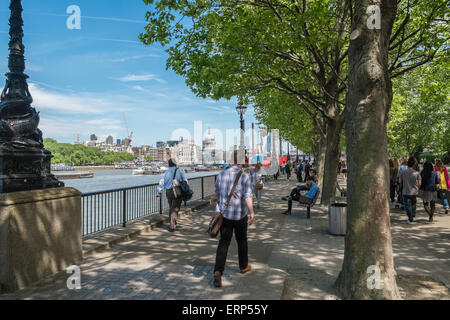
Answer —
102 210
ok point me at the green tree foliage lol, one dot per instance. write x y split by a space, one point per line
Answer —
420 114
149 158
295 126
80 155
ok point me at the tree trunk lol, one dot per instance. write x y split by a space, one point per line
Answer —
334 130
368 243
319 151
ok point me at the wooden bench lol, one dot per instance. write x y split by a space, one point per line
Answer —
309 206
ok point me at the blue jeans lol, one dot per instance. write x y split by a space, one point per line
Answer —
446 204
410 208
258 196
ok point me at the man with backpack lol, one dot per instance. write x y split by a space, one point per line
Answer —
172 182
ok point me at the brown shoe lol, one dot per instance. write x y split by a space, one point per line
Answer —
217 279
247 269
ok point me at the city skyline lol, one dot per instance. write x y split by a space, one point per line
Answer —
84 80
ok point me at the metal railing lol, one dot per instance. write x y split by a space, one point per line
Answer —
102 210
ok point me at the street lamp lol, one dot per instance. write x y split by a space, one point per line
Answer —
241 109
24 163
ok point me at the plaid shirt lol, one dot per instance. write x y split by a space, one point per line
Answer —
237 208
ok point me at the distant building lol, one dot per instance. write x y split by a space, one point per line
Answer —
118 142
172 143
187 153
210 154
163 155
94 137
109 140
160 144
126 142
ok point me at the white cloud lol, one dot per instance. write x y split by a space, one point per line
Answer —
144 77
71 103
123 59
69 128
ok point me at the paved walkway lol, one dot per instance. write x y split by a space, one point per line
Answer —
289 261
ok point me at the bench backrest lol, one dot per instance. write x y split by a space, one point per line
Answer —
316 197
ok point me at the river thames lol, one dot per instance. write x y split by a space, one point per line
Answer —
115 179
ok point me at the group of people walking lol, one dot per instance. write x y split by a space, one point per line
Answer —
408 182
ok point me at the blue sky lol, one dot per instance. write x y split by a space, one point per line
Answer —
82 81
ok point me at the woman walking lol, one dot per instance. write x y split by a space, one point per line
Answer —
344 168
257 184
428 189
444 185
171 181
393 177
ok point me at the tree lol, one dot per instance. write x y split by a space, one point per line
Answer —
241 48
82 155
149 158
419 117
368 241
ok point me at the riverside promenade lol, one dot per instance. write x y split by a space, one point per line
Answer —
289 260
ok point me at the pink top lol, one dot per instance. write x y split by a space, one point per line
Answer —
446 176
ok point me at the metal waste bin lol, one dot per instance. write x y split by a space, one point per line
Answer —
337 212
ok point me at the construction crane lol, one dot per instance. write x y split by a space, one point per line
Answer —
129 135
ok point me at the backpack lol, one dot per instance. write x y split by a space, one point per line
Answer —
186 191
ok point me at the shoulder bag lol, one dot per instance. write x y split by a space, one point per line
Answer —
176 187
217 220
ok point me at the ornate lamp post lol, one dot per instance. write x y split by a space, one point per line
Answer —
24 163
241 109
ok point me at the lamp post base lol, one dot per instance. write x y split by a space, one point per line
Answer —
24 170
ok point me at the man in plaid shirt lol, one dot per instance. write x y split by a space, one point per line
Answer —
235 217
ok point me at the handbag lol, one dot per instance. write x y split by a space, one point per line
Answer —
176 187
442 194
259 186
217 220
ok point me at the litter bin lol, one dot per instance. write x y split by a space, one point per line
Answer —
337 212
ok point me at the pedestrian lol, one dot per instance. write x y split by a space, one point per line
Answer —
344 168
393 177
173 193
410 178
283 168
300 172
403 167
288 170
313 174
307 167
257 184
444 185
237 216
428 188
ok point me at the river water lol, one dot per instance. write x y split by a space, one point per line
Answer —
115 179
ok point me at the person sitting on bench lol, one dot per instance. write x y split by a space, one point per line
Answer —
307 199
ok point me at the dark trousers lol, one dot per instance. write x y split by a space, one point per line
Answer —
295 195
392 191
226 233
175 205
410 203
